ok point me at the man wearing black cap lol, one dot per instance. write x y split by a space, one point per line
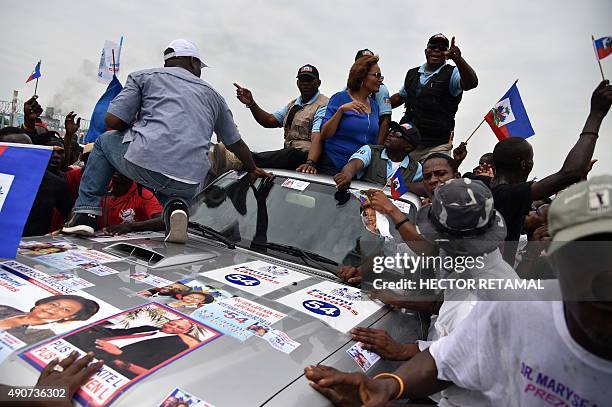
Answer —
432 92
300 118
377 164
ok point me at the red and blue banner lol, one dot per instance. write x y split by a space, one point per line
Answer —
35 73
509 118
398 188
22 167
97 124
603 46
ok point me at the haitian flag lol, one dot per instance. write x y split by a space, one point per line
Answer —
398 188
97 124
603 47
508 118
35 73
22 167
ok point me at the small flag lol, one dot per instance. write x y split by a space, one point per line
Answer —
107 69
603 47
35 73
398 188
22 167
509 118
97 124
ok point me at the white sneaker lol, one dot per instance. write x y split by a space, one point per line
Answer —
178 227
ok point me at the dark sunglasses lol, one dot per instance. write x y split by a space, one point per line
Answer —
377 75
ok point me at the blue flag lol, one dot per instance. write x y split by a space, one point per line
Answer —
97 124
35 73
398 188
22 167
509 118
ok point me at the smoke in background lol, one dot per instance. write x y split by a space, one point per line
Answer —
78 90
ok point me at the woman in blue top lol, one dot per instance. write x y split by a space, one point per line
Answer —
351 118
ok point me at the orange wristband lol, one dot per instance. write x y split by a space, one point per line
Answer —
397 378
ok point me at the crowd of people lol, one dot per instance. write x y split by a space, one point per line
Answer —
166 116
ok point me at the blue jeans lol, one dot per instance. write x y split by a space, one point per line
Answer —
106 158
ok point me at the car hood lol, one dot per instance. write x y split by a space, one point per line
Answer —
225 371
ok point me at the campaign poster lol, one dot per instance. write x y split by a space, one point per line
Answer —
337 305
101 238
185 296
75 259
237 317
277 339
256 277
179 397
363 357
98 269
35 249
33 307
150 279
67 279
133 344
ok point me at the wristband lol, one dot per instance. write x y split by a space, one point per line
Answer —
397 378
590 132
399 224
312 163
251 105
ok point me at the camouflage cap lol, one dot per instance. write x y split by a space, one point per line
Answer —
582 210
461 218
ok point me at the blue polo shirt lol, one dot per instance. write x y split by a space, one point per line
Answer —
365 155
454 85
383 100
354 129
280 114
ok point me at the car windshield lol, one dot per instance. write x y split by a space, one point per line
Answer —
318 220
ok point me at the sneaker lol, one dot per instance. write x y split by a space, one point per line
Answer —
84 224
176 223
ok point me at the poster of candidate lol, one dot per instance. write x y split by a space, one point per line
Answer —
35 307
256 277
337 305
186 295
133 344
35 249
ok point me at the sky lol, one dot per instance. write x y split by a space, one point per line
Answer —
261 44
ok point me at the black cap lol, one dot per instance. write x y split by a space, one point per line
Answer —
308 70
363 53
438 39
409 131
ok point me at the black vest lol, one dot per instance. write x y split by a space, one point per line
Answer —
376 172
431 108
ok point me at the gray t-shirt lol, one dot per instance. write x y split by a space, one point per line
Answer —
173 115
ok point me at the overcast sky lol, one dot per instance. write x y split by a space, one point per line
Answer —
261 44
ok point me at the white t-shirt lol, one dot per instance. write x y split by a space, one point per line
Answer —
520 353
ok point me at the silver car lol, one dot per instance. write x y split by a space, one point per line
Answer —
312 231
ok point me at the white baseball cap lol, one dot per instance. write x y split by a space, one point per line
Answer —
183 48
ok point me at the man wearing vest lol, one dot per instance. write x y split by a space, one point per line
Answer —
377 164
300 118
431 95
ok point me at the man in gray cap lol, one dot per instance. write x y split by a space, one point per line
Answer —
527 353
463 224
162 123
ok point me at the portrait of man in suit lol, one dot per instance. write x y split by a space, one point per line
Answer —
134 351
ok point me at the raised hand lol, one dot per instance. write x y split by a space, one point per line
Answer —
460 152
31 111
601 98
244 95
71 126
453 53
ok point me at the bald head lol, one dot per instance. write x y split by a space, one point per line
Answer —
14 135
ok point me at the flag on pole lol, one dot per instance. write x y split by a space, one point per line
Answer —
97 124
603 47
107 69
398 188
509 118
35 73
22 167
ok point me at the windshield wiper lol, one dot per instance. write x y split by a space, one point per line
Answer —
301 253
211 233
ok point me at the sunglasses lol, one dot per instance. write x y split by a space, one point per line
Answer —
377 75
397 134
440 48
